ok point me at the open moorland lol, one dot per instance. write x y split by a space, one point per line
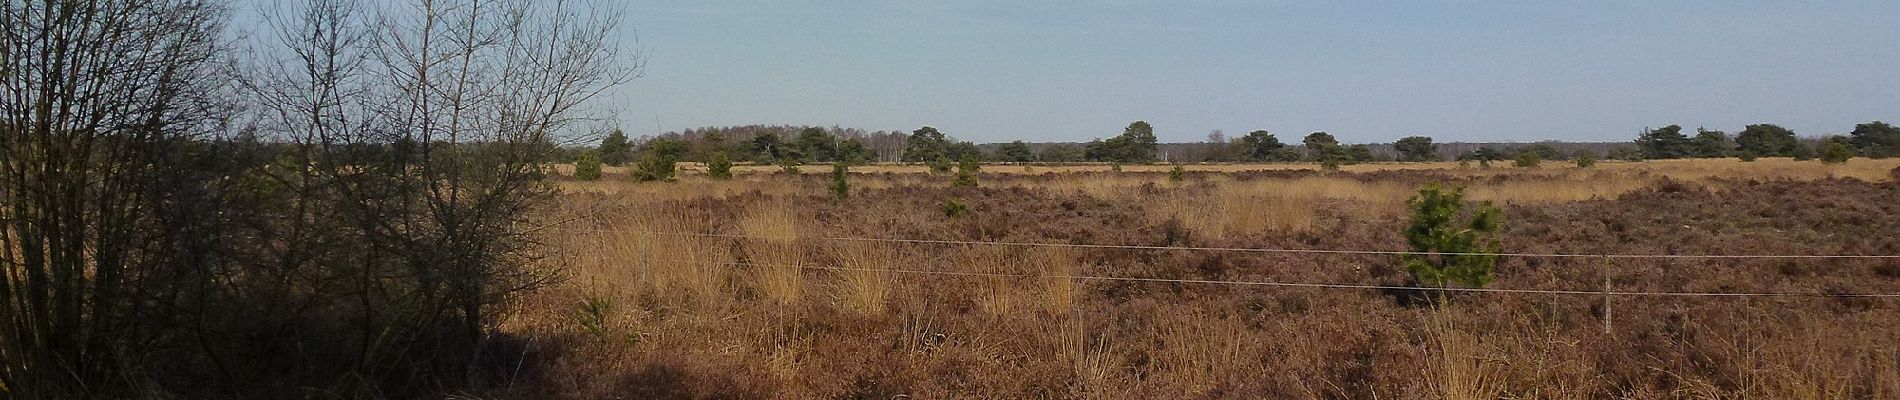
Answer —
1079 282
487 199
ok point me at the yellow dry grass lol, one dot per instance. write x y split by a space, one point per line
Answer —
999 295
1203 352
627 255
775 252
863 277
707 279
1056 264
1461 368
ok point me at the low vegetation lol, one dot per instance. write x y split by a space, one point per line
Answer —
374 200
952 320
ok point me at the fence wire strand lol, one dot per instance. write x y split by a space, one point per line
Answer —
1294 284
1248 249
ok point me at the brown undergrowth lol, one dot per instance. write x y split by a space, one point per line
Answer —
791 312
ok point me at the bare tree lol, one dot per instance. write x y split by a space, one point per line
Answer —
366 209
95 99
481 88
424 127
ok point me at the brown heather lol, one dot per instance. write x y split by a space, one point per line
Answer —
723 317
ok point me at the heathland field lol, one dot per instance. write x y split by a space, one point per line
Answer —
1076 281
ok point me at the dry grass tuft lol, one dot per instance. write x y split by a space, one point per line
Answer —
774 252
864 284
1200 353
1097 363
1055 264
1462 366
997 295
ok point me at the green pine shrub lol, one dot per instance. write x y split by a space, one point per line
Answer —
1463 251
719 166
840 183
587 167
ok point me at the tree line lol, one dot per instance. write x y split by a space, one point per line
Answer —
1873 139
1137 144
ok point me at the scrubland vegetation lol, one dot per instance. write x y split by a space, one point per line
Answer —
405 200
742 289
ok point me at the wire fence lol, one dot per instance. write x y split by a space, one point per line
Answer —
1605 291
1290 284
1249 249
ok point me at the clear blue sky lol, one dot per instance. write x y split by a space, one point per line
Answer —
1367 71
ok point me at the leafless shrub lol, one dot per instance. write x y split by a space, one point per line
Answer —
350 230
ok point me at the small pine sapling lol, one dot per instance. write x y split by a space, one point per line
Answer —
653 167
718 166
840 185
1529 159
1458 253
953 208
966 173
587 167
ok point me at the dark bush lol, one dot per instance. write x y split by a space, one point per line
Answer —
1528 159
966 173
840 183
719 166
587 167
954 208
1836 152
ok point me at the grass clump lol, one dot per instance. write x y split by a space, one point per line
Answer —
864 279
773 244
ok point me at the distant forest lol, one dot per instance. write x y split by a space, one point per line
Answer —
770 144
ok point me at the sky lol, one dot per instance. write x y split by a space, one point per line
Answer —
1366 71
